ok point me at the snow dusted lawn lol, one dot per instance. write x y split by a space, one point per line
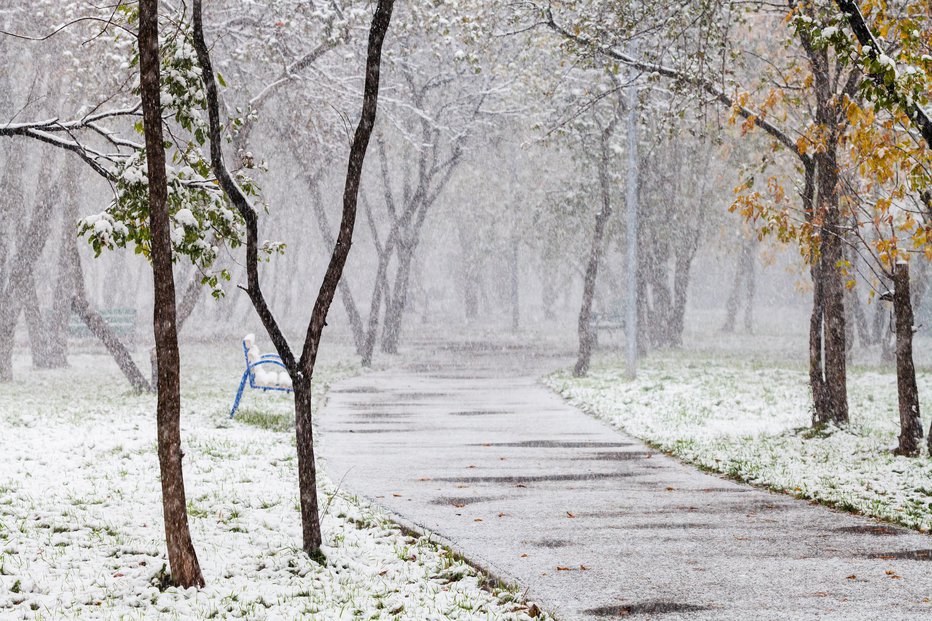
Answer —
749 421
80 514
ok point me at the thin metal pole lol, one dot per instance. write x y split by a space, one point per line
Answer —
631 200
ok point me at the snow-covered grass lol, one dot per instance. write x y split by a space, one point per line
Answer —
750 420
80 513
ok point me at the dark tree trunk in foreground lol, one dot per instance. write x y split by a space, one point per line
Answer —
907 392
306 464
185 569
301 370
816 375
586 337
835 405
311 535
185 308
830 390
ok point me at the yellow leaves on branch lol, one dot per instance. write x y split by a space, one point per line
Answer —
742 104
767 212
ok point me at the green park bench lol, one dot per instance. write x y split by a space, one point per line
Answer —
121 320
606 322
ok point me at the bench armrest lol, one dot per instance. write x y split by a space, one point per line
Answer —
264 360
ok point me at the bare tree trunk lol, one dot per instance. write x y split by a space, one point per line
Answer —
398 301
46 330
189 298
743 284
64 290
19 280
346 294
907 391
584 355
878 322
833 295
680 291
35 324
307 469
663 303
816 375
99 326
833 408
185 569
301 370
380 291
888 339
408 227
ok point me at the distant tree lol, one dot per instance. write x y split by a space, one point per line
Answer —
684 58
606 130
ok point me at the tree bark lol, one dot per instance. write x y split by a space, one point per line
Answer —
398 301
189 298
301 370
380 288
64 288
584 355
20 275
307 468
833 407
816 375
743 284
100 328
908 393
408 228
35 325
833 305
185 569
346 294
680 291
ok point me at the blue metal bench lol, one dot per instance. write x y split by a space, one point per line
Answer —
249 375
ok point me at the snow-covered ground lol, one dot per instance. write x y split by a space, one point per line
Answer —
750 420
80 514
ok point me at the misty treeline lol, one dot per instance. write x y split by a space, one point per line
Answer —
497 173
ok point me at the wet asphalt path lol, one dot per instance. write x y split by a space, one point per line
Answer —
469 446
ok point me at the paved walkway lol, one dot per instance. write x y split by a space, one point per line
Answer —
468 445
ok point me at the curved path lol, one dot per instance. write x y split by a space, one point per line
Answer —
469 446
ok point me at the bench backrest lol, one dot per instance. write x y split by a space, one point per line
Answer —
121 320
